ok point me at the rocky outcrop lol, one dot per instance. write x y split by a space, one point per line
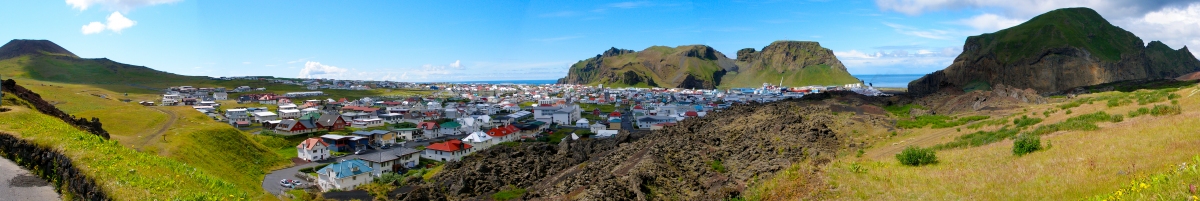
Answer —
708 158
998 98
1055 52
18 47
700 66
53 166
92 126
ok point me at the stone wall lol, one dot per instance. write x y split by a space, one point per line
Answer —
92 126
51 165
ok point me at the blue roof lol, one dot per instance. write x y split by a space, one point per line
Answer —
346 168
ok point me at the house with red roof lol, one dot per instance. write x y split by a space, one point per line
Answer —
313 149
450 150
614 114
430 129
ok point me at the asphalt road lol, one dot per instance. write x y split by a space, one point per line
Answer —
19 184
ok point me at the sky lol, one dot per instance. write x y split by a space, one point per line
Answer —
424 41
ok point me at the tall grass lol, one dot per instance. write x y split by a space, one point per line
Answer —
979 138
1086 122
938 121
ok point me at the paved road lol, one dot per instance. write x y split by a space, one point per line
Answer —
20 184
271 181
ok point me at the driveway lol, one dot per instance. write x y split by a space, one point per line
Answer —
19 184
271 181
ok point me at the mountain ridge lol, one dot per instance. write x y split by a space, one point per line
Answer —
796 63
47 61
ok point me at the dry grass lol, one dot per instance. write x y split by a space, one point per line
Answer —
1077 165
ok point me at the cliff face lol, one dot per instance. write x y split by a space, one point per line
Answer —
1057 51
698 66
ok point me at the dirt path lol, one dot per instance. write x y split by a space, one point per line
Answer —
170 121
889 150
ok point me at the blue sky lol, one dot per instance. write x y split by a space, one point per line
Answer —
531 40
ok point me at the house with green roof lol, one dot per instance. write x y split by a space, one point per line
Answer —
344 175
450 128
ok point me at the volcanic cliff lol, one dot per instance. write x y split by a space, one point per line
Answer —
794 63
1057 51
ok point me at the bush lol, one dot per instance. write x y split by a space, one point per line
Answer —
979 138
1026 144
512 193
1161 110
916 156
1025 121
717 166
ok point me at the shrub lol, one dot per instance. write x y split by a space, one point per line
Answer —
916 156
1068 112
717 166
1161 110
1139 112
512 193
1026 144
979 138
1025 121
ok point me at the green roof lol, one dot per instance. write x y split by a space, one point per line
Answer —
451 125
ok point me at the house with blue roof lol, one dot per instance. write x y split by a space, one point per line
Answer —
344 175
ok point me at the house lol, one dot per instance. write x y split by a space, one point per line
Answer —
504 133
479 140
331 122
391 160
596 127
345 175
265 116
430 129
366 123
220 96
649 121
582 123
614 123
313 149
450 128
562 114
293 127
378 138
345 143
236 115
606 133
289 113
450 150
469 124
406 134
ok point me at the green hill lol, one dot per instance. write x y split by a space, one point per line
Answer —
795 63
44 60
1058 51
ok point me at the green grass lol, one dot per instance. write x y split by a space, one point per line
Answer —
124 173
1157 110
979 138
1173 184
1025 121
1075 27
512 193
717 166
901 111
938 121
1086 122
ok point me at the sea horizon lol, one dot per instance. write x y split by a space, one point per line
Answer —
876 80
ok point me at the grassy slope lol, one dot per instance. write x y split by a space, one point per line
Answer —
1080 164
1076 27
810 75
125 173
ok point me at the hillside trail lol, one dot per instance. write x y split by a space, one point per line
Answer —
924 140
170 121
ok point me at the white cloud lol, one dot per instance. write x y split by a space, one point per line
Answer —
118 22
913 31
317 70
1029 8
853 54
94 27
1176 27
898 61
456 65
988 22
116 5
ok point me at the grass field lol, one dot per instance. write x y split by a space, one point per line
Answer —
1116 157
126 174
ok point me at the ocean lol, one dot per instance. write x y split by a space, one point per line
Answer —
891 80
531 82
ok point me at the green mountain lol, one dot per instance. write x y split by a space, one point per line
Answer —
45 60
795 63
1057 51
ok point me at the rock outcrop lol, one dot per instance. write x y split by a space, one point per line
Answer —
795 63
1055 52
708 158
92 126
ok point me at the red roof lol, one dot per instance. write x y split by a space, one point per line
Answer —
243 122
449 146
691 114
310 142
428 125
615 114
637 107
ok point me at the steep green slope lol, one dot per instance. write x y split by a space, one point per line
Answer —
697 66
46 61
1056 52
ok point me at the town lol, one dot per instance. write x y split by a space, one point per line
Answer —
350 141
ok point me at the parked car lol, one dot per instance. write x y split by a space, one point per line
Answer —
287 183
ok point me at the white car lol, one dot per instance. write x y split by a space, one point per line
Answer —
288 183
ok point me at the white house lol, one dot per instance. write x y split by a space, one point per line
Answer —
289 113
236 115
406 134
564 114
479 140
366 123
450 150
265 116
221 96
313 149
582 123
469 124
345 175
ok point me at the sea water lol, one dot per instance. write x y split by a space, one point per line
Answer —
893 80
